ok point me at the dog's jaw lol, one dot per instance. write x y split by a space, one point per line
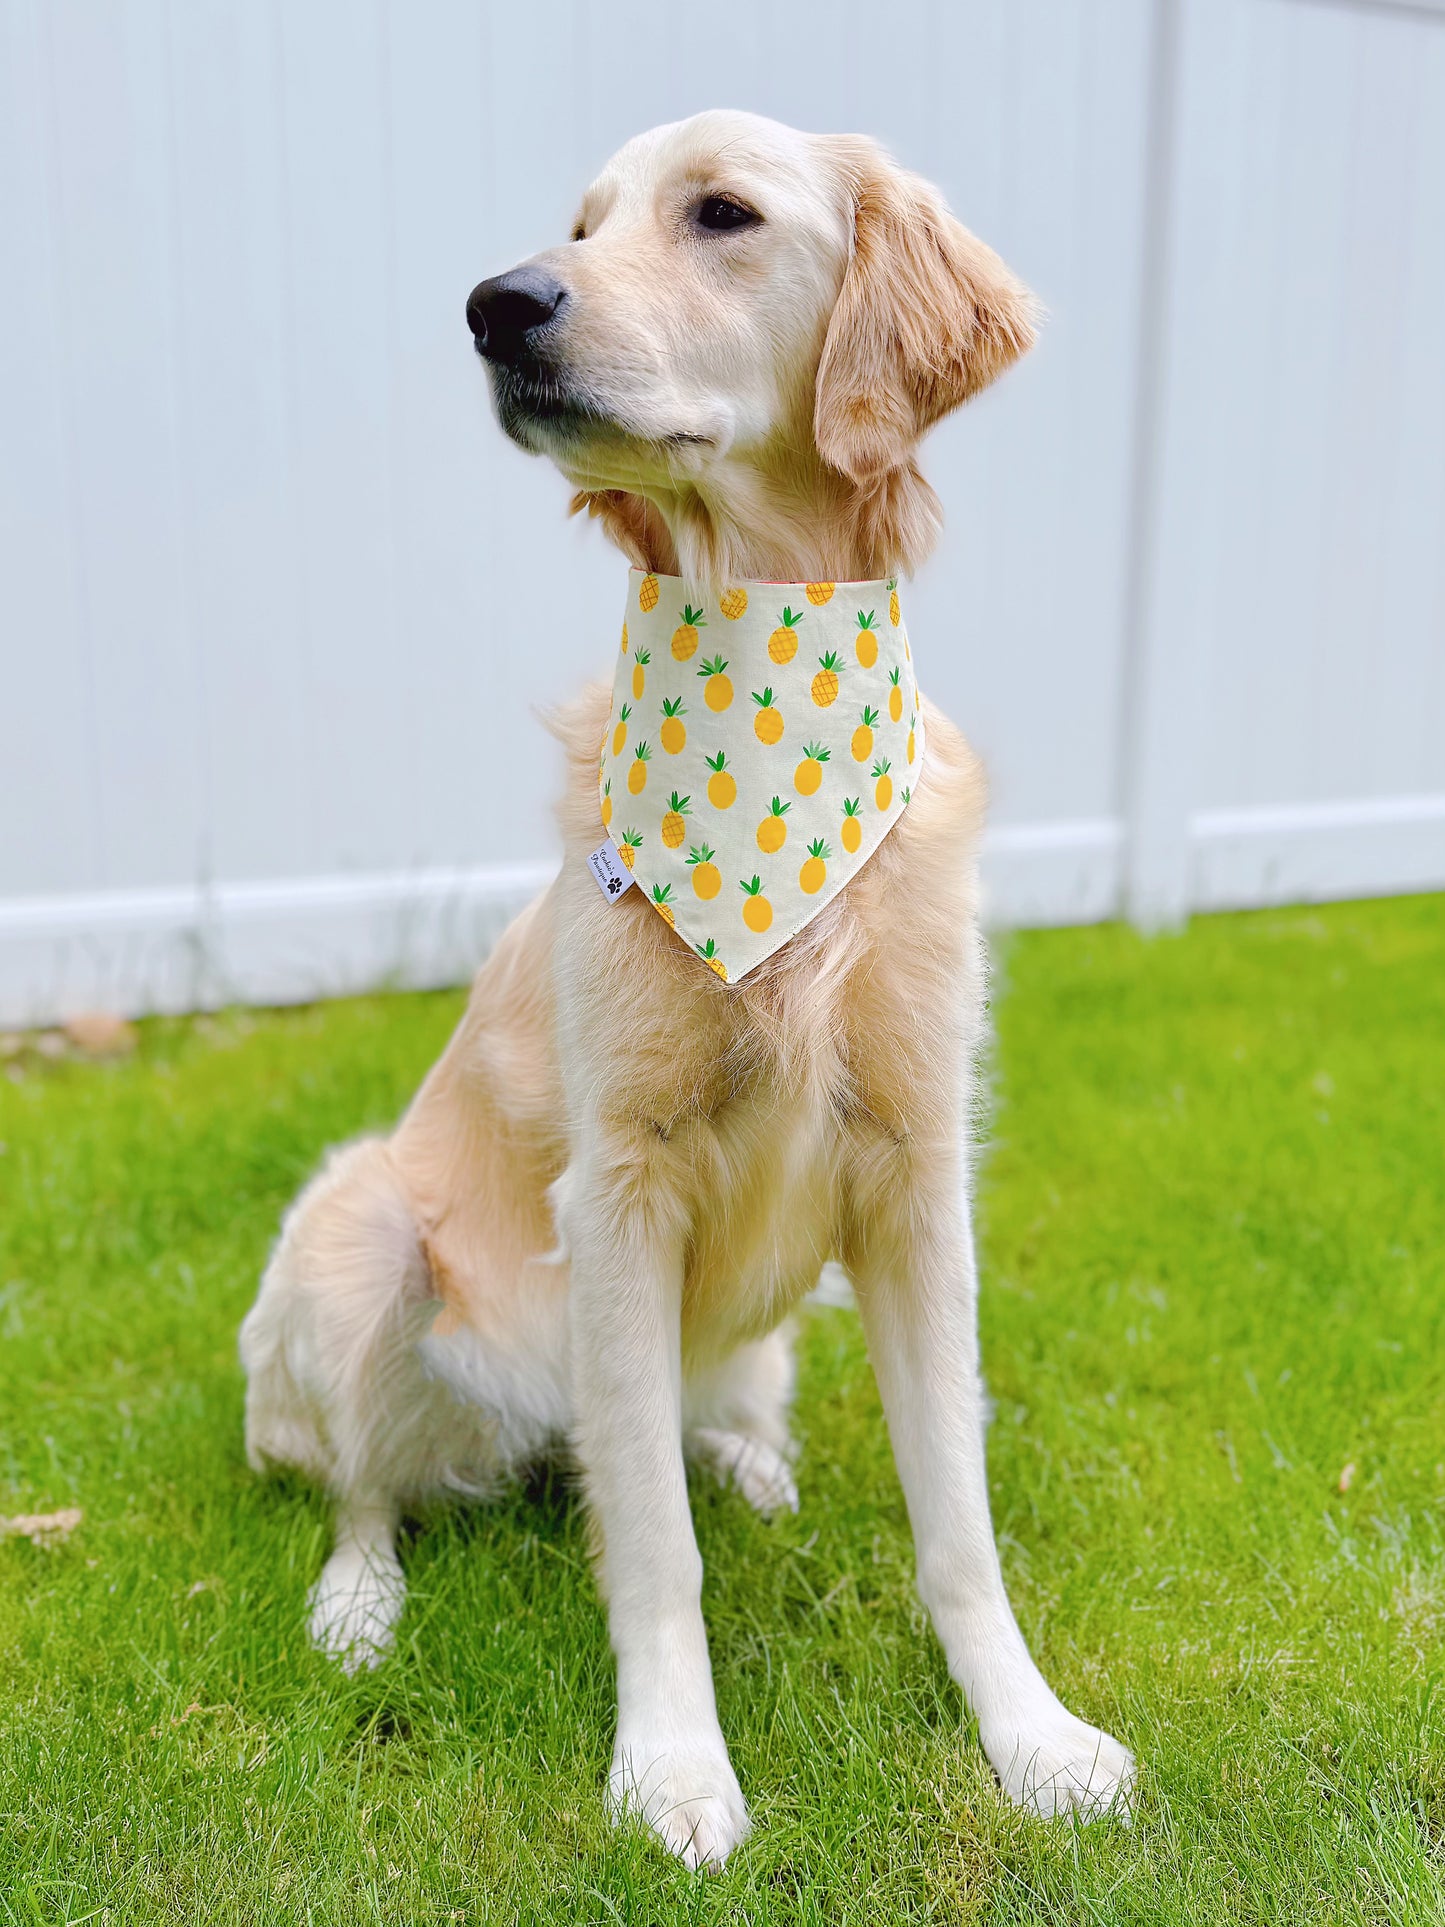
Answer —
543 411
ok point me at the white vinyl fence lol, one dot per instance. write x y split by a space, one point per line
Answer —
278 603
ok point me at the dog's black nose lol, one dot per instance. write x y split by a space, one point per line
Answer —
502 312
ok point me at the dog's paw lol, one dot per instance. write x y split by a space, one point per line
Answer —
354 1606
758 1471
1056 1764
687 1794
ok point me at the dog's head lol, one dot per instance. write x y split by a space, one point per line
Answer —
739 299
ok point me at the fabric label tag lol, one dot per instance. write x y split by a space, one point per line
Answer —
612 874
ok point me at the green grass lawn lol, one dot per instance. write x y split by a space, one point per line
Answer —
1213 1219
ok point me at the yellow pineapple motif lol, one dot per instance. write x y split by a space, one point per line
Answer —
852 831
717 690
773 831
660 894
733 603
684 636
767 724
674 829
708 952
910 745
865 643
637 775
757 911
883 786
639 672
814 873
863 736
808 776
895 614
825 683
722 789
783 642
647 594
706 878
895 697
673 733
631 844
607 802
624 638
820 592
619 735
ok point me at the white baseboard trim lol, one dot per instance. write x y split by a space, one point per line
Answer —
169 950
1052 873
1317 852
143 951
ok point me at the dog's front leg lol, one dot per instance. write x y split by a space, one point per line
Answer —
624 1230
917 1291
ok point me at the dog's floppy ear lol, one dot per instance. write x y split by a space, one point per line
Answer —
926 317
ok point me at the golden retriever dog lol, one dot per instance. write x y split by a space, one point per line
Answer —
591 1225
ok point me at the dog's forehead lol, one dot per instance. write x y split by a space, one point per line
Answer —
716 150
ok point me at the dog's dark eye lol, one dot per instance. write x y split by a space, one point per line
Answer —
720 214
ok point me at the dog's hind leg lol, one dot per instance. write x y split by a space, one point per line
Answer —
336 1389
355 1604
735 1416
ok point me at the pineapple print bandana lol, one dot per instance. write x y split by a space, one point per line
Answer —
761 745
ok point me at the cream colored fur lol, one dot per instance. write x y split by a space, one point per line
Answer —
591 1225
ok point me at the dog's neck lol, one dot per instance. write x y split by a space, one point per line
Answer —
795 521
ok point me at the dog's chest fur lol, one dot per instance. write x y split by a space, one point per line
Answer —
772 1114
